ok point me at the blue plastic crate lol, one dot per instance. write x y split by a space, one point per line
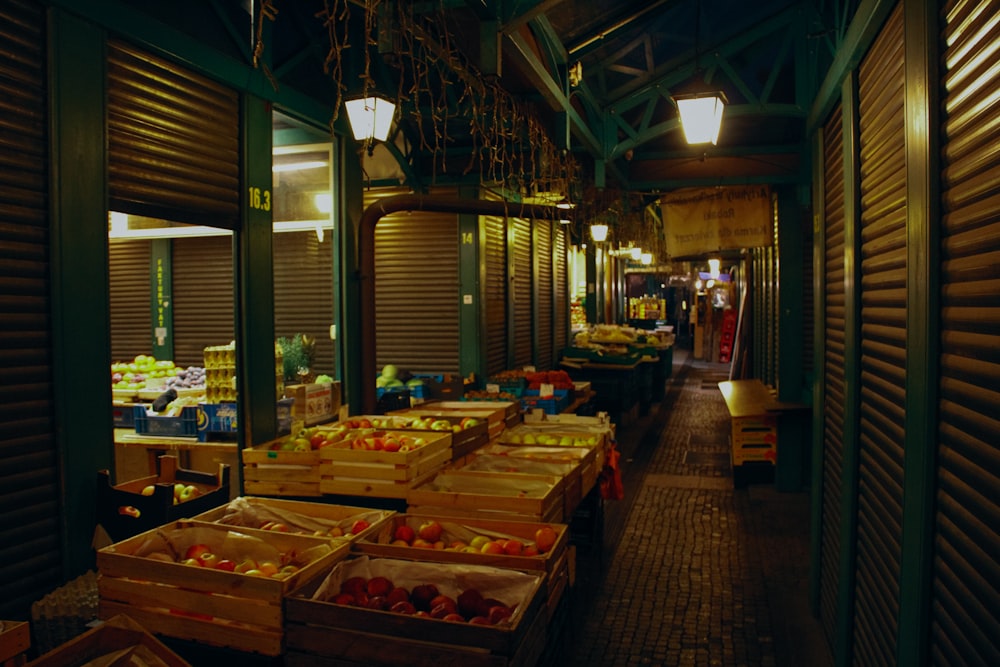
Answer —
185 425
551 405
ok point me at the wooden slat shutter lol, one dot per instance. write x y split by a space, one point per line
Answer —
522 291
131 309
965 625
29 475
495 261
204 297
883 344
417 292
303 292
173 141
544 294
833 370
561 323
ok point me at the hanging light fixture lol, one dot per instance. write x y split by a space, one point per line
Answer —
635 253
713 268
371 118
599 232
701 116
647 258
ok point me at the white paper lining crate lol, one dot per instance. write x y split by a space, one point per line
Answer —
316 519
346 470
269 472
210 606
323 632
563 436
536 498
590 459
499 414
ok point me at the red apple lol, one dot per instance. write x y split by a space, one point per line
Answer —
430 530
442 610
359 526
422 594
441 599
468 602
499 614
403 607
405 533
377 602
344 598
379 586
479 620
398 594
452 617
226 564
353 585
513 547
545 538
197 551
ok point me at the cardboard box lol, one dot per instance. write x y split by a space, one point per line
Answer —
116 634
322 632
314 403
211 606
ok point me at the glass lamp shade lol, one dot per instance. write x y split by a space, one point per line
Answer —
701 116
370 117
599 232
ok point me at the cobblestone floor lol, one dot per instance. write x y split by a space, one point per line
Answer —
693 572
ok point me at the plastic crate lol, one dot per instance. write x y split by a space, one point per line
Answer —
123 415
552 405
514 386
186 425
394 399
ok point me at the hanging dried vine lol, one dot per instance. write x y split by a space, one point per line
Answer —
442 96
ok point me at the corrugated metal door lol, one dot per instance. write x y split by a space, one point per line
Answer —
543 253
965 622
495 263
303 292
833 370
173 141
561 323
883 344
131 310
522 291
29 477
204 310
417 292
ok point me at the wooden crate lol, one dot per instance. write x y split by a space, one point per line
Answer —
210 606
347 470
115 634
463 440
321 632
570 471
495 495
15 640
317 519
271 472
123 511
380 544
590 459
560 436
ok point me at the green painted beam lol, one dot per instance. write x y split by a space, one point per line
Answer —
79 279
255 271
923 281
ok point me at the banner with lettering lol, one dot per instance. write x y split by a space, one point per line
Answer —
698 221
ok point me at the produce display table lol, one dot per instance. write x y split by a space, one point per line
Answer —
156 446
616 385
757 428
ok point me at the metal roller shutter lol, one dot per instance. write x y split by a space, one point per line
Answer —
543 247
522 291
417 292
173 141
204 297
561 260
29 474
833 370
495 263
131 310
965 624
883 344
303 292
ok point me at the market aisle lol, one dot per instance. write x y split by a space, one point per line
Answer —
694 572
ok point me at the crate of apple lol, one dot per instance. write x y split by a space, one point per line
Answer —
515 544
404 604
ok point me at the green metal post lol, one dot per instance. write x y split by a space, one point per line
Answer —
471 348
79 277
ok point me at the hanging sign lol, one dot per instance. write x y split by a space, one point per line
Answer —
697 221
